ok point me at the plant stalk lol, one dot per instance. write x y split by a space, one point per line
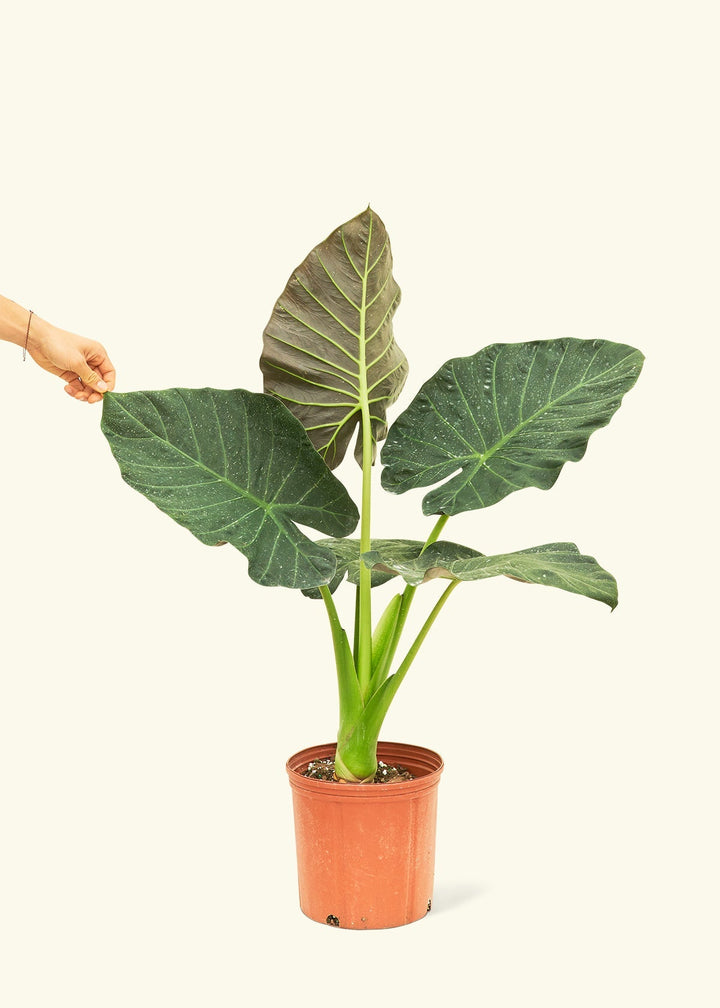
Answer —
364 608
364 658
424 630
409 592
362 714
331 609
356 627
435 534
350 700
373 714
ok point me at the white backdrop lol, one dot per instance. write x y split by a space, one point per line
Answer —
544 170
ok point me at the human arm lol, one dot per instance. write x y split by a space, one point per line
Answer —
81 363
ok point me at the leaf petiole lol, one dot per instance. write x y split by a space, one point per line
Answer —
406 601
374 713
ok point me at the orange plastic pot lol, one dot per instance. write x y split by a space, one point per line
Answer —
366 852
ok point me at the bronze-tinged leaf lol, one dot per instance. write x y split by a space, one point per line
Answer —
328 349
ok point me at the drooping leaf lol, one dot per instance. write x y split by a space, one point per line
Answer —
347 554
558 565
415 564
328 348
508 417
232 466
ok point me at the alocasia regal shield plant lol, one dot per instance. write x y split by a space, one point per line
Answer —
248 468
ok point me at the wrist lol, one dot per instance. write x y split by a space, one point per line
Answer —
37 333
14 322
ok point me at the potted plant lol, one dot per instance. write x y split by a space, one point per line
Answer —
248 468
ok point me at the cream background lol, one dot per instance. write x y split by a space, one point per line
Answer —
543 170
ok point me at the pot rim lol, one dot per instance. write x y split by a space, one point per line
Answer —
426 764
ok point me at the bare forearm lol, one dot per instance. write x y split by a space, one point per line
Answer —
82 363
14 322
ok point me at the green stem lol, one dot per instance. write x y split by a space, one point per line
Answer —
424 630
330 606
350 701
364 659
364 609
357 740
407 596
409 593
374 713
435 534
356 625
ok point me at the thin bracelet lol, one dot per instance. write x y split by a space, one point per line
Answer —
27 335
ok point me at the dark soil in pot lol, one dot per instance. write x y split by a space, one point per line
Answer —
324 769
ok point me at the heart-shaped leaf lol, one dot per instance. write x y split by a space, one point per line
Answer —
233 466
328 349
508 417
558 565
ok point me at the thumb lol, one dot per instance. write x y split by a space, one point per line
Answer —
89 377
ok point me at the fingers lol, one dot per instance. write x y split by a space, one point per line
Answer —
97 358
83 394
107 372
93 380
93 376
90 377
83 364
78 390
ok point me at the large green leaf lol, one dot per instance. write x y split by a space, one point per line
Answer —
508 417
328 349
232 466
347 555
558 565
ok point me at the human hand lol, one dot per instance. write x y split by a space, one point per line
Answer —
82 363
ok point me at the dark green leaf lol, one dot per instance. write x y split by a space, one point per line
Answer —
328 348
347 553
233 466
508 417
558 565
